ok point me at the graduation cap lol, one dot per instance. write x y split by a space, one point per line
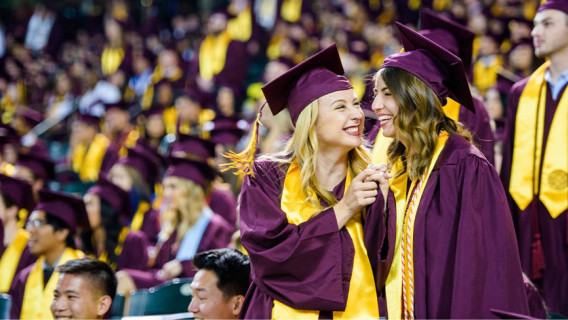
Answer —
441 70
227 131
114 195
19 191
313 78
197 171
8 135
191 146
561 5
38 163
450 35
68 208
144 161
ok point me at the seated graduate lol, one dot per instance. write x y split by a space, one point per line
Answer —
85 290
220 284
303 212
455 253
15 196
109 239
189 226
52 226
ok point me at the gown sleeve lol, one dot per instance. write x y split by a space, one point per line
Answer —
299 265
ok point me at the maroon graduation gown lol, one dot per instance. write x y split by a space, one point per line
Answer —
223 202
217 235
26 259
306 266
465 256
134 253
151 225
553 281
478 124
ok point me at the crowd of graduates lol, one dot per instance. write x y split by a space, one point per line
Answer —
115 116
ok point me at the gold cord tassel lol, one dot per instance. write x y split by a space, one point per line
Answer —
242 162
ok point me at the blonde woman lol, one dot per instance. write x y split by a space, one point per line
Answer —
303 211
188 227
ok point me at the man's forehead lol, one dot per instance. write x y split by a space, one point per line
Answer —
204 279
548 14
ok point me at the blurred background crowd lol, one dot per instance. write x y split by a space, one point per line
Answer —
120 89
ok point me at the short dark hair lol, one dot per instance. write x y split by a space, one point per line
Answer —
231 266
59 224
99 274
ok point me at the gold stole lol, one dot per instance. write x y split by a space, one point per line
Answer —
87 160
452 110
111 60
398 187
11 258
212 55
362 298
138 218
485 77
240 28
129 142
37 299
525 168
170 120
291 10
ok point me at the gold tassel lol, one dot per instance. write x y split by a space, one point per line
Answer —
242 162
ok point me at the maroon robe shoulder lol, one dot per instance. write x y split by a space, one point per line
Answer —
134 253
223 202
217 235
479 124
305 266
552 278
465 256
151 225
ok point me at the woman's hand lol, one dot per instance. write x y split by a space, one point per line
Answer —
381 176
361 192
170 270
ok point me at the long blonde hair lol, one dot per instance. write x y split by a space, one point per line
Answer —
186 215
302 147
419 121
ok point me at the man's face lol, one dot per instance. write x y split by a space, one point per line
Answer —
549 33
75 298
43 237
208 301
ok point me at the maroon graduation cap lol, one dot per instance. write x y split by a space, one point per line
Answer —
197 171
38 163
450 35
311 79
114 195
191 146
561 5
19 191
440 69
70 209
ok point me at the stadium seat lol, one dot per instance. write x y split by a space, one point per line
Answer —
173 296
5 303
117 307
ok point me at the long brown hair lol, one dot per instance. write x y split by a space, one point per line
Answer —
419 121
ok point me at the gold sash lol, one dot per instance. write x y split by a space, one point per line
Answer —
11 258
362 298
111 60
398 186
138 218
291 10
212 55
87 160
240 28
37 299
452 109
525 175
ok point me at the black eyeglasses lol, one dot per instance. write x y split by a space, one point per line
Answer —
35 223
